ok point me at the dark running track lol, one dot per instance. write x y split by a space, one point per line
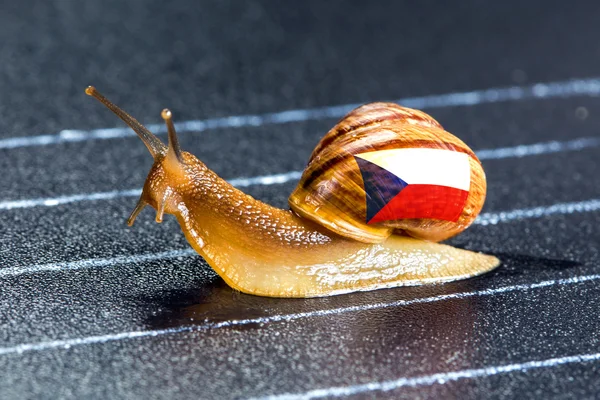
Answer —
92 309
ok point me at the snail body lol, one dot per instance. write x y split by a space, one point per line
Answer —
263 250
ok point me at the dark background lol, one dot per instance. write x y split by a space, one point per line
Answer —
216 59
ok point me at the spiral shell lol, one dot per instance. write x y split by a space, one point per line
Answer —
341 195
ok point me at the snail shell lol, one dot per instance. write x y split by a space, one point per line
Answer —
337 193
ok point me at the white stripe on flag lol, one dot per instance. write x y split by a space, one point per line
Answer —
425 166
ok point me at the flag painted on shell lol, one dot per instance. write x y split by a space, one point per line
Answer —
415 183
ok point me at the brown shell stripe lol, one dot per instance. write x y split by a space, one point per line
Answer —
357 119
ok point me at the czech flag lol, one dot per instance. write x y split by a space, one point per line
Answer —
415 183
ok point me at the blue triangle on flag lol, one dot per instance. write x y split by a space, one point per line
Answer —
381 186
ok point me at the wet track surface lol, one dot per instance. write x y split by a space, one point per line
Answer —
90 308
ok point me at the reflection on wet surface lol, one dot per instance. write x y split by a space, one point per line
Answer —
216 302
420 339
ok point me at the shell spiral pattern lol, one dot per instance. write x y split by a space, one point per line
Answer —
387 169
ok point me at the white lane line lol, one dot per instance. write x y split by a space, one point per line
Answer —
483 219
569 88
526 150
67 343
538 212
440 378
274 179
96 262
55 201
486 154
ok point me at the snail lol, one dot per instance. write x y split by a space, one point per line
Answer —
381 188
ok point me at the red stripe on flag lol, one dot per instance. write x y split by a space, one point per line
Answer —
424 201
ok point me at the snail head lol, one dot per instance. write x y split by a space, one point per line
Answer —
172 168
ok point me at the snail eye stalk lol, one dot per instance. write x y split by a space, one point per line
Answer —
154 145
174 150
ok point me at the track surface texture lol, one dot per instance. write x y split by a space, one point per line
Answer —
90 308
